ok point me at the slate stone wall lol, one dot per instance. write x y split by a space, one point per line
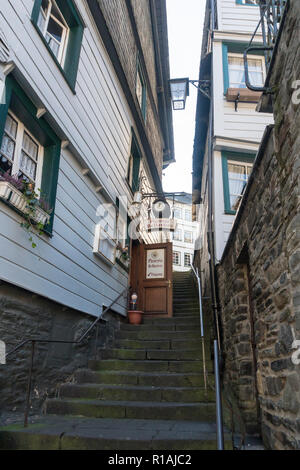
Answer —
23 316
259 275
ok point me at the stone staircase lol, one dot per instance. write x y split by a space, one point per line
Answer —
146 393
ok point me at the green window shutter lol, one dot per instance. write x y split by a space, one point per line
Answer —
76 27
136 155
25 110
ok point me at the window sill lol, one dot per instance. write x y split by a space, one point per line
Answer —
71 85
243 95
229 212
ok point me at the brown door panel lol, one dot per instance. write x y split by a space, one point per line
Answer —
156 300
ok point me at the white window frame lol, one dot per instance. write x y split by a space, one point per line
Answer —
21 128
237 163
65 35
192 237
180 212
179 231
189 218
178 254
190 262
240 56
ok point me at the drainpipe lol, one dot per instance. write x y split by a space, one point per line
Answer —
210 234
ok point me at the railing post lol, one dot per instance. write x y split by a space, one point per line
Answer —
27 406
220 432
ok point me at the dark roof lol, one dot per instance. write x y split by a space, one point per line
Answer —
184 198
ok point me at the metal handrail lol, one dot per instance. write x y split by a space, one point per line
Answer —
219 414
196 273
33 341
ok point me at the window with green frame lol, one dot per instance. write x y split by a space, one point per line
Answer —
237 168
140 89
61 29
133 172
233 66
247 2
25 138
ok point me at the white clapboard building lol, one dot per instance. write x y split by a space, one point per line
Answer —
223 158
84 118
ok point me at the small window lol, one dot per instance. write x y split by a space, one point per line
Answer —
187 260
247 2
54 28
176 258
238 175
177 213
61 28
177 235
236 71
20 152
134 163
141 90
236 172
188 215
188 237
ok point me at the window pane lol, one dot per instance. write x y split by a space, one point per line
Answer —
188 237
11 126
187 259
30 146
139 89
188 216
237 72
176 258
43 15
177 235
55 30
28 166
238 175
8 147
177 213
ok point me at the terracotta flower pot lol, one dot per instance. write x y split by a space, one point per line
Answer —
135 317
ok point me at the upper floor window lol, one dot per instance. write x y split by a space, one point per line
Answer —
54 28
29 147
188 237
177 213
236 171
176 258
133 171
188 215
246 2
20 152
238 175
61 29
141 90
236 71
187 260
177 235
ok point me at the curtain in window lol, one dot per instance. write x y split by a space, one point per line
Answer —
237 180
236 72
255 72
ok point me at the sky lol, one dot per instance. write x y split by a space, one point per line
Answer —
185 25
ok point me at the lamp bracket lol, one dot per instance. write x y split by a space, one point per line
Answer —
203 86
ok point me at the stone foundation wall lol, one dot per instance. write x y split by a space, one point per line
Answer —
259 275
24 315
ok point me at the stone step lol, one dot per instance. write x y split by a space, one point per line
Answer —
190 325
118 434
157 379
149 365
136 333
167 344
185 319
132 393
132 409
156 354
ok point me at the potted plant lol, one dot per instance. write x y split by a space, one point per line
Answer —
123 254
135 316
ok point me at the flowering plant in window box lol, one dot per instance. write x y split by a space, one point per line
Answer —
21 194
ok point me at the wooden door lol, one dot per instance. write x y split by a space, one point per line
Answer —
155 279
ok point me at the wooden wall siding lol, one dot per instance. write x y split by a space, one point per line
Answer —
245 123
98 124
237 18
